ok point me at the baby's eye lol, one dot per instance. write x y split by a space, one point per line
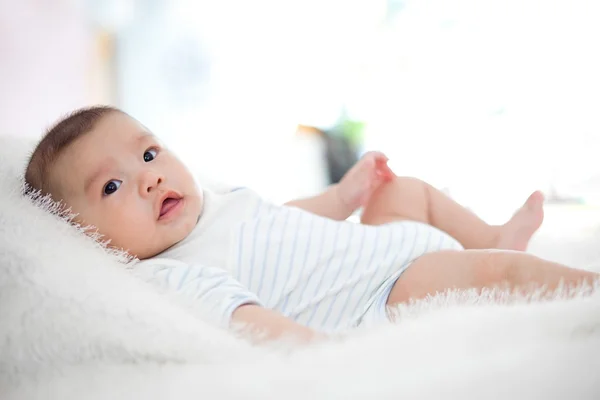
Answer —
111 187
150 155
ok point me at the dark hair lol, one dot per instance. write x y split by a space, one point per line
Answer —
58 138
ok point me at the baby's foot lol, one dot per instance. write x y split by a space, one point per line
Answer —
516 233
363 179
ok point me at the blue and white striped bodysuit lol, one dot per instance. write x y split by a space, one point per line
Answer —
325 274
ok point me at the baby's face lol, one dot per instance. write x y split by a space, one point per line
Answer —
120 179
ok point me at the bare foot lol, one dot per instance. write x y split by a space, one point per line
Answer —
516 233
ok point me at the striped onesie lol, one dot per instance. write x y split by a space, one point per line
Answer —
325 274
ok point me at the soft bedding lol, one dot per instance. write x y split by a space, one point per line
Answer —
75 324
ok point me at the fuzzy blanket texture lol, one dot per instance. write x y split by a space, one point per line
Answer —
74 324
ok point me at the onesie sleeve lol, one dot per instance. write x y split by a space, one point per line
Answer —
211 291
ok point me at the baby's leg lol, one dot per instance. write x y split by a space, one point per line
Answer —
412 199
477 269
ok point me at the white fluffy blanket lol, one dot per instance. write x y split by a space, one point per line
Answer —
75 325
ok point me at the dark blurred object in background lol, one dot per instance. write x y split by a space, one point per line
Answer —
340 151
340 154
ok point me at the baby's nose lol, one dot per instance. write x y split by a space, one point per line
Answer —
150 181
158 182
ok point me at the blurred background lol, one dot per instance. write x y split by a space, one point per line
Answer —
486 99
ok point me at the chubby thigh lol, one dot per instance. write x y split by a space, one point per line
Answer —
440 271
322 273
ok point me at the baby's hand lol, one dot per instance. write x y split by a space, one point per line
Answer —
357 186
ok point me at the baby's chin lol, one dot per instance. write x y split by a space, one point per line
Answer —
169 240
146 253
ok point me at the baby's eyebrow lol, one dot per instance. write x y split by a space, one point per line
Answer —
93 177
143 136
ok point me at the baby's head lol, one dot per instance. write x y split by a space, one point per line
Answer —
116 176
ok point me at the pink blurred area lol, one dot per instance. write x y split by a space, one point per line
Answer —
45 57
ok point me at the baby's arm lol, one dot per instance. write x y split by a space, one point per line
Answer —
354 190
221 299
327 204
266 324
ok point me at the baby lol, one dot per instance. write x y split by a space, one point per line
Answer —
296 269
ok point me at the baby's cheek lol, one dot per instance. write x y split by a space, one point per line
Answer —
128 228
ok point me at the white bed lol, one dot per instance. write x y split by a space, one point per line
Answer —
74 324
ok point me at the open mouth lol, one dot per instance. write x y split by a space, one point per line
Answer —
169 205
